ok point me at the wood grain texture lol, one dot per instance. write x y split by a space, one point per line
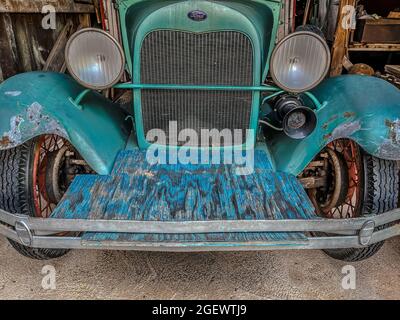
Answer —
35 6
139 191
339 49
25 45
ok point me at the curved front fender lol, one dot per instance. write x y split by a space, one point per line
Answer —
37 103
364 109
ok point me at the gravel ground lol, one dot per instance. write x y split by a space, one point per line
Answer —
249 275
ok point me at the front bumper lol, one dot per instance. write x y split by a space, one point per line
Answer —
192 208
344 233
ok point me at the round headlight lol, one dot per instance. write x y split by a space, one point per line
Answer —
94 58
300 61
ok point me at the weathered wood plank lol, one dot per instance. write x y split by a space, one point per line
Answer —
24 45
56 59
374 47
393 69
339 49
139 191
8 47
35 6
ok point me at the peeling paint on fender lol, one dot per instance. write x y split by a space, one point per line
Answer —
34 113
12 137
37 118
394 130
12 93
345 130
32 123
98 132
329 121
390 148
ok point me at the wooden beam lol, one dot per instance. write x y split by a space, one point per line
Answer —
384 47
307 12
56 60
393 69
84 20
8 47
339 49
394 15
35 6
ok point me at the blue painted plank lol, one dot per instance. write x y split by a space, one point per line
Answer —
201 237
137 190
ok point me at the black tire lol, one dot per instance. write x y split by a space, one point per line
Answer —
381 194
16 194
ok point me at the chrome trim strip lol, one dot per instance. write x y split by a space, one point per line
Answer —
347 226
352 227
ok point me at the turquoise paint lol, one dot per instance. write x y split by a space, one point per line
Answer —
317 104
361 108
258 20
195 87
364 109
77 101
375 119
272 96
203 240
36 103
137 190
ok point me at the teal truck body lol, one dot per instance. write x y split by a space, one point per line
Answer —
201 65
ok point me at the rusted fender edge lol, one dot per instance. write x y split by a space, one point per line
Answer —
37 103
364 109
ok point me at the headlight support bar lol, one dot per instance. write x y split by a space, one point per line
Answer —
264 88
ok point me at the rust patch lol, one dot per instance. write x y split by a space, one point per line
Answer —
5 141
13 137
349 114
329 121
346 115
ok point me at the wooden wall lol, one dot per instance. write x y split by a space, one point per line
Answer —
25 45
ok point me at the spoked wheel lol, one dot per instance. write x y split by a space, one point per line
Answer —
342 196
34 177
355 184
50 179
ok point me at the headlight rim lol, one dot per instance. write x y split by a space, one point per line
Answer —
70 69
315 84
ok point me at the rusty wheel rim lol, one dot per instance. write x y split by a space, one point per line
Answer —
351 206
45 144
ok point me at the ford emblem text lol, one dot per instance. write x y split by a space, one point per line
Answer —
197 15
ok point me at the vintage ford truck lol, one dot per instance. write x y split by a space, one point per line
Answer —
229 140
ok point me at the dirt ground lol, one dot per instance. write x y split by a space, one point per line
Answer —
248 275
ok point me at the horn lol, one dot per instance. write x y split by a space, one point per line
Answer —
299 122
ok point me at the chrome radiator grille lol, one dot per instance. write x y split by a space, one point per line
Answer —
183 58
